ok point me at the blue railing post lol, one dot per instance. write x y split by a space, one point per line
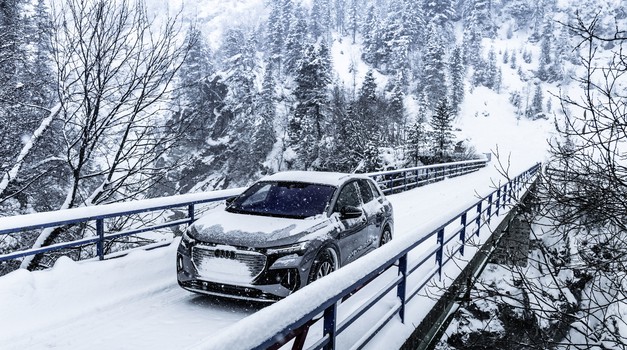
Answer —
498 201
100 243
401 289
489 213
439 253
190 213
330 325
462 233
505 198
404 181
416 178
478 219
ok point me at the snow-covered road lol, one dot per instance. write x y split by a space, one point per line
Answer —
134 302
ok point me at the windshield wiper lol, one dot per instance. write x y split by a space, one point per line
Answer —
235 210
261 213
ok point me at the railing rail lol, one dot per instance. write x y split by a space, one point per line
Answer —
98 214
450 240
405 179
390 182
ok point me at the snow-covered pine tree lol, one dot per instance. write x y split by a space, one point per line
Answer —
534 111
295 42
441 13
199 113
457 75
239 71
368 123
417 142
339 15
285 17
42 77
11 58
394 50
11 37
442 131
251 150
434 78
492 70
352 23
414 21
307 125
372 160
276 33
480 12
513 60
396 119
367 104
520 11
527 56
486 72
372 41
537 19
320 20
545 62
240 117
348 136
195 100
471 42
342 149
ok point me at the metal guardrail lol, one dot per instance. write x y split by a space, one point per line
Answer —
405 179
99 214
390 182
470 221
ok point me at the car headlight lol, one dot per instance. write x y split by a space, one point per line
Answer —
297 248
187 240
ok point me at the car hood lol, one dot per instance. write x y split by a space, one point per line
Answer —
255 231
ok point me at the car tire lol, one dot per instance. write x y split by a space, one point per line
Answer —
324 263
386 236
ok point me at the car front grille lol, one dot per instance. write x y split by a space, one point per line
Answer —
227 264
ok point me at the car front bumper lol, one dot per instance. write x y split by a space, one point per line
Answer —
280 277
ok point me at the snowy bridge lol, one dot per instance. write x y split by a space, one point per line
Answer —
134 301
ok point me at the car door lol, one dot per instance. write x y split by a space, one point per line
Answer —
372 210
353 230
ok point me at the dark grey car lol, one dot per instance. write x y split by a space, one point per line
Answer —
283 232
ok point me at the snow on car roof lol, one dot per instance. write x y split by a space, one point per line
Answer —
319 177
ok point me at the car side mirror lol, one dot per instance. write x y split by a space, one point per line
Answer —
229 201
350 212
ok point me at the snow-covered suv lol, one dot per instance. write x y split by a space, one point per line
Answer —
283 232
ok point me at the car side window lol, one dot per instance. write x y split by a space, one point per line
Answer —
375 189
347 197
365 190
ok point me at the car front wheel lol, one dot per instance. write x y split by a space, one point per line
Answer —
386 236
324 264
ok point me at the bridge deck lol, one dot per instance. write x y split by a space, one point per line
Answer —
134 302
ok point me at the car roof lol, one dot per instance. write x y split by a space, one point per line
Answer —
318 177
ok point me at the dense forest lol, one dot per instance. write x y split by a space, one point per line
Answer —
99 102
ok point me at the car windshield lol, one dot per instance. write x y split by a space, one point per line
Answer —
283 199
